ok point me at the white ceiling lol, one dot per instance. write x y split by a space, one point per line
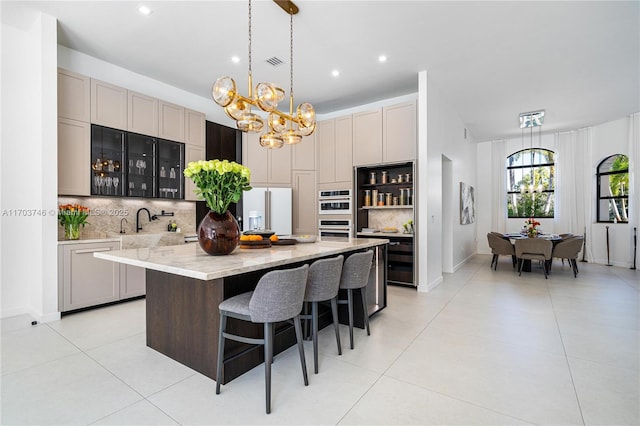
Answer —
492 60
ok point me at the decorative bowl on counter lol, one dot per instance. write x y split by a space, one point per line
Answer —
265 233
305 238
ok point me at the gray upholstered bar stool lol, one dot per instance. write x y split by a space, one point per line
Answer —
355 275
323 284
278 297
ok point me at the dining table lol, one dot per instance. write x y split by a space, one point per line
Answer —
526 263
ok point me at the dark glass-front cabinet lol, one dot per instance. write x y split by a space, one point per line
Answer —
125 164
141 158
170 165
107 161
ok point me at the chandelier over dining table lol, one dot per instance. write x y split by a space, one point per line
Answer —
282 127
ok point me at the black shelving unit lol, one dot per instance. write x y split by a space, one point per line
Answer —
400 262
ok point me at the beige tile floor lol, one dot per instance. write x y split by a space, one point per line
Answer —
485 347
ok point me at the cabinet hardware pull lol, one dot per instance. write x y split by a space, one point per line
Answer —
93 250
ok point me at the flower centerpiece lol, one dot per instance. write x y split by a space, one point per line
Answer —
71 216
531 227
219 183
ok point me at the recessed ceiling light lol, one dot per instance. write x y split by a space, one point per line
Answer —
235 59
335 73
382 58
145 10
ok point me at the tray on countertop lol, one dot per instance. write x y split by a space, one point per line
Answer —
255 244
284 242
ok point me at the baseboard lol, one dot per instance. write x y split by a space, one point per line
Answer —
461 264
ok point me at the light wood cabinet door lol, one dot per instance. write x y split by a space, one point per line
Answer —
268 166
192 153
133 281
279 165
344 149
305 202
367 138
171 122
142 114
399 132
74 157
304 154
86 280
326 150
194 127
108 105
74 96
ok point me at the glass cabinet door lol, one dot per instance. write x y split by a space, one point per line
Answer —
107 161
170 168
141 166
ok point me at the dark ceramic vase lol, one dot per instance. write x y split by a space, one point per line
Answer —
218 234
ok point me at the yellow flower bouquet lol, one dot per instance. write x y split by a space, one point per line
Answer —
71 216
219 182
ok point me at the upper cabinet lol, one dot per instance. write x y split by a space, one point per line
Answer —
399 132
385 135
194 128
74 156
268 166
108 105
142 114
304 154
334 141
367 137
74 96
171 122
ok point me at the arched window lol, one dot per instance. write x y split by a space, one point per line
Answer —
613 189
531 183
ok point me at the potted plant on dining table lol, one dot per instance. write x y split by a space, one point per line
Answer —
219 183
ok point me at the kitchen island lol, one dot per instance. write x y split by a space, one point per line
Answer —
185 286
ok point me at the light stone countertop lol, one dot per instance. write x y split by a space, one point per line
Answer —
190 260
88 241
384 234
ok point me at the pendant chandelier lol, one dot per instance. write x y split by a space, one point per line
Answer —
531 120
282 127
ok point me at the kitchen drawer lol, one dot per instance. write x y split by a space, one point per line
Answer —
399 274
397 246
403 258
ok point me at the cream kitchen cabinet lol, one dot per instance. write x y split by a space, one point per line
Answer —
268 166
74 96
194 128
367 137
334 143
171 121
399 132
192 153
305 202
385 135
108 105
84 280
74 157
304 154
142 114
133 281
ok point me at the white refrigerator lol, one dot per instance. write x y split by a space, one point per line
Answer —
273 205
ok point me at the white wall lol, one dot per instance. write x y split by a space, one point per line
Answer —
578 153
29 167
445 136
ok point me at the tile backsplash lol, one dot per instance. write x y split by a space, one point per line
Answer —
391 218
107 213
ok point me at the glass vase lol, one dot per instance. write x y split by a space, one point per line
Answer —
72 231
218 234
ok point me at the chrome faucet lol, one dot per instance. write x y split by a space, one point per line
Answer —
138 227
121 228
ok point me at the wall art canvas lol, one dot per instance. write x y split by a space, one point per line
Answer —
467 204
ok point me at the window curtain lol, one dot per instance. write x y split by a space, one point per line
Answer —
634 178
499 186
574 184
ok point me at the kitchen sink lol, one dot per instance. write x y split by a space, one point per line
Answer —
148 239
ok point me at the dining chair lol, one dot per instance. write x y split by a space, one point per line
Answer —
323 283
355 275
500 246
278 297
534 249
569 249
